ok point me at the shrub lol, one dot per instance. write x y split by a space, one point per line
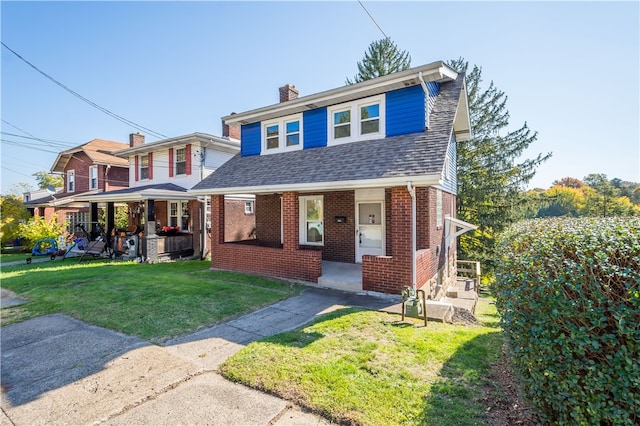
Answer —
568 291
38 228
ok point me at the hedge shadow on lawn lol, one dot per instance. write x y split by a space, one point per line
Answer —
454 398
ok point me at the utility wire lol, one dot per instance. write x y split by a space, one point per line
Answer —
93 104
374 21
52 142
27 133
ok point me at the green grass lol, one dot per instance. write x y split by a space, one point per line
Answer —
363 367
12 257
151 301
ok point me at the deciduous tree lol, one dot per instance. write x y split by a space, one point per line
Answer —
45 180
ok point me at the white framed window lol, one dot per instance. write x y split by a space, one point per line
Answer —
283 134
358 120
179 215
144 166
93 177
312 220
439 208
248 207
71 180
181 161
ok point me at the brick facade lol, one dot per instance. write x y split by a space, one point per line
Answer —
290 261
386 274
238 225
389 274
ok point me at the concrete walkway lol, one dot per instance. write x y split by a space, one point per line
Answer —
57 370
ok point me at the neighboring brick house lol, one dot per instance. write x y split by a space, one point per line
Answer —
362 174
86 169
159 175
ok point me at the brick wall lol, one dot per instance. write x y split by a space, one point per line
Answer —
389 274
288 262
238 225
117 178
339 238
267 219
79 163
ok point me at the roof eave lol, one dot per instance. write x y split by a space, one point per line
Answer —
437 71
139 196
219 143
423 180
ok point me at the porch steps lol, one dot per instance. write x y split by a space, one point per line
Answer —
463 294
436 311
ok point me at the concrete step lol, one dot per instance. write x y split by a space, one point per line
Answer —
436 311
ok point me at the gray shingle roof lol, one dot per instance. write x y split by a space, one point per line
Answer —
409 155
159 187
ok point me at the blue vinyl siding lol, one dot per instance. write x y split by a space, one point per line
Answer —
250 139
405 112
314 124
451 184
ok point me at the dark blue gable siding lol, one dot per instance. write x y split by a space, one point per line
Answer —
314 125
405 111
250 139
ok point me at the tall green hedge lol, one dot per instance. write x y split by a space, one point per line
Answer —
568 291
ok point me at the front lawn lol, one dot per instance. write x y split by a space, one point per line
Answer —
13 257
151 301
364 367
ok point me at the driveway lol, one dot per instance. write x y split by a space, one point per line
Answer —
58 370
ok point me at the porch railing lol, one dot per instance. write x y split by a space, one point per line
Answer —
469 269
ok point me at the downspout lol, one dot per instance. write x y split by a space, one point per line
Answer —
203 216
426 94
412 192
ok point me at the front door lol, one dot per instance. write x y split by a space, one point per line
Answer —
369 229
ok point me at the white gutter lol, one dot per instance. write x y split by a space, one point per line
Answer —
424 180
425 89
412 192
437 71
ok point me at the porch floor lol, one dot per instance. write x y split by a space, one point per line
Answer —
341 276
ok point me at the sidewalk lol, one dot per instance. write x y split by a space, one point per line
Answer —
57 370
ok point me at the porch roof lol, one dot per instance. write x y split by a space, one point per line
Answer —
416 157
164 191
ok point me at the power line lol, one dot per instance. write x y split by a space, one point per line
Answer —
26 133
51 143
93 104
374 21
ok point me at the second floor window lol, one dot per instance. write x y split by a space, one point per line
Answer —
357 121
144 167
283 134
71 181
93 177
181 161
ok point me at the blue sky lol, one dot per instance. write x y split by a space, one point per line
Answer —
570 69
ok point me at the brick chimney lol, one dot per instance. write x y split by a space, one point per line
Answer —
288 92
231 131
136 139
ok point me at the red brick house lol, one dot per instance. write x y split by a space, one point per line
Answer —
360 178
86 169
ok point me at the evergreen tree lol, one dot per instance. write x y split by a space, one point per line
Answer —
491 173
381 58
